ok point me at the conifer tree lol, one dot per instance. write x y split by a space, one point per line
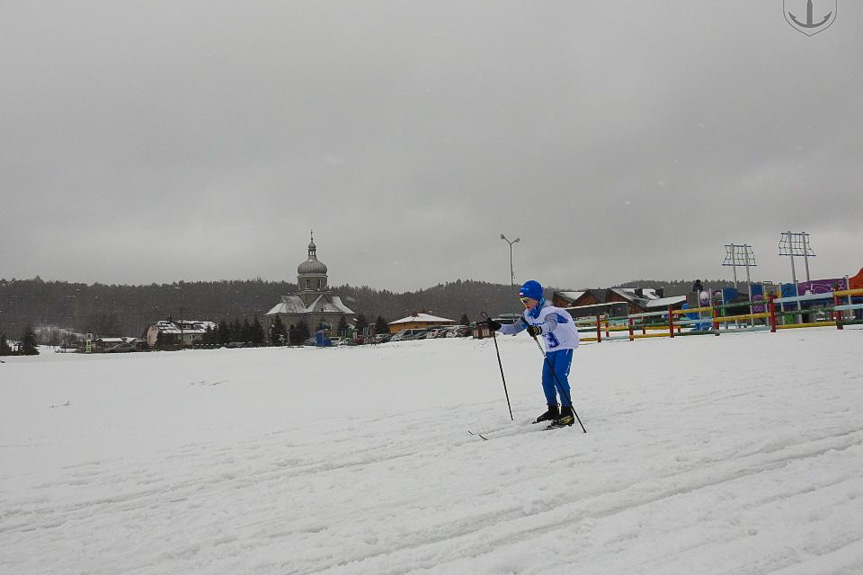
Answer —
381 325
464 319
223 333
29 346
209 337
278 332
236 331
4 345
256 332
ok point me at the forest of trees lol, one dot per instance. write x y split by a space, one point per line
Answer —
122 310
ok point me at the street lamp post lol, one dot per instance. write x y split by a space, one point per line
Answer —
511 272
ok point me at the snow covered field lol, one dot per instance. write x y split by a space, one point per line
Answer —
737 454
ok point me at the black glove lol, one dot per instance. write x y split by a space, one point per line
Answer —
495 325
534 330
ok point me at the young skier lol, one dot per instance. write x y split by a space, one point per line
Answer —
558 330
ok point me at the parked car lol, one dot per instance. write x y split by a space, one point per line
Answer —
124 347
408 334
419 334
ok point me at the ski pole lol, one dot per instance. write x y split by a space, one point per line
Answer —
563 391
497 350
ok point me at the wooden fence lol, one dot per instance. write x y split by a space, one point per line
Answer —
838 308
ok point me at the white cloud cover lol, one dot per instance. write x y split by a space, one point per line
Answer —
157 141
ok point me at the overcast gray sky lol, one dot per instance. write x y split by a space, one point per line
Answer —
158 141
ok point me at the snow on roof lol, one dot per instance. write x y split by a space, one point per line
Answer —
630 293
337 301
325 303
626 293
290 304
421 318
333 305
184 326
571 295
115 339
650 293
646 293
663 302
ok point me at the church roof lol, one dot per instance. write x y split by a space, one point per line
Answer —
325 303
329 304
290 304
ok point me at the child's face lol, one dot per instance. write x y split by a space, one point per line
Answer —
528 302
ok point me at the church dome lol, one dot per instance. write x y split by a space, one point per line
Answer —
312 266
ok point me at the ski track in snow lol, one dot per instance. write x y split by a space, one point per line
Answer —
690 465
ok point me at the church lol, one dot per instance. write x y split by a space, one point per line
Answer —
314 303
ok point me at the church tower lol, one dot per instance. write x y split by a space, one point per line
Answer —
311 275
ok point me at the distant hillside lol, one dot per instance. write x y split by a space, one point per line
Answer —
450 300
112 310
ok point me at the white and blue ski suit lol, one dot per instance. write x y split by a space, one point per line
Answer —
561 339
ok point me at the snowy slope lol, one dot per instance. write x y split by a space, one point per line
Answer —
736 454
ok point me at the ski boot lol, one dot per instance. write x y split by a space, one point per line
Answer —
550 415
565 419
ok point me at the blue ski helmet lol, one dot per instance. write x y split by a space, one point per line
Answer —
531 289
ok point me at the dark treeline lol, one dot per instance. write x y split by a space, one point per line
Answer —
122 310
450 300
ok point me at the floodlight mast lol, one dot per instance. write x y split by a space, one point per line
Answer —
796 244
739 255
733 262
